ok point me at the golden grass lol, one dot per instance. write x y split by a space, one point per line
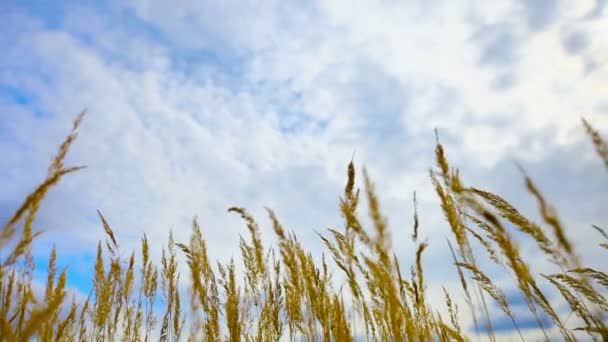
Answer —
283 292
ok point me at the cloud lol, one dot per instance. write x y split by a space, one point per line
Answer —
500 48
196 107
598 9
540 14
576 42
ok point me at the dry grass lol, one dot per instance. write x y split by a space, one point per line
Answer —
283 292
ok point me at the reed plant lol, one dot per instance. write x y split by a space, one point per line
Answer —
283 293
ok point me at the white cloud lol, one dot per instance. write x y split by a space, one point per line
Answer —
172 133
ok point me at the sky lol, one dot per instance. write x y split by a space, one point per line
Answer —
196 106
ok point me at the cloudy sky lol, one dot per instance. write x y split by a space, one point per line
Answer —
196 106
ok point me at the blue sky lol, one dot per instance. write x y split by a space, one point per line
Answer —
194 107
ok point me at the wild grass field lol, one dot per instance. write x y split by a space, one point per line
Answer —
283 293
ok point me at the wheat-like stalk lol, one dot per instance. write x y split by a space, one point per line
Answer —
284 291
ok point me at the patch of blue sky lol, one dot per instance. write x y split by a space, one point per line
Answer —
50 13
284 97
7 207
503 324
227 65
225 69
523 318
12 94
516 298
297 122
53 15
79 268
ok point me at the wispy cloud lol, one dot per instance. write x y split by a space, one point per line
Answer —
195 107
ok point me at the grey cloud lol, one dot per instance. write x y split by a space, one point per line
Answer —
602 107
575 42
564 178
504 81
590 66
500 50
501 323
380 99
597 10
498 42
540 13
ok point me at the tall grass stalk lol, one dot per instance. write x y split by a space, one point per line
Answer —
284 293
